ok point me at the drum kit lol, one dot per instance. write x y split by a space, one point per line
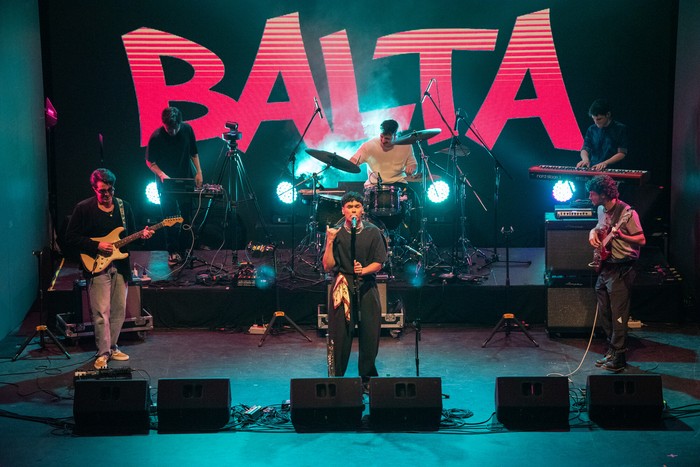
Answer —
389 206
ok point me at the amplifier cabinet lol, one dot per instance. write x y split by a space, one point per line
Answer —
570 310
566 244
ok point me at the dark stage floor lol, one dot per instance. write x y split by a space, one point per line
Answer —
200 333
37 391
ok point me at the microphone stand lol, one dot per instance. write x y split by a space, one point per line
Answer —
497 167
457 176
293 161
355 279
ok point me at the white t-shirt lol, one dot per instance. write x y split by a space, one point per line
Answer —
391 165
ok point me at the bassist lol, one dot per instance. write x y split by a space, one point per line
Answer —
96 217
617 267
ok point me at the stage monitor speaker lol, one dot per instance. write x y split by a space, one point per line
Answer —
111 407
326 404
566 244
532 402
571 309
625 400
193 405
413 403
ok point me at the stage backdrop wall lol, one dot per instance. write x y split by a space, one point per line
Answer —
523 74
23 192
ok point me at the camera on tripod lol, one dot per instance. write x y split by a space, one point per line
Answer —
232 135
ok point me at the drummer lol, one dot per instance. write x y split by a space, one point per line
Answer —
387 163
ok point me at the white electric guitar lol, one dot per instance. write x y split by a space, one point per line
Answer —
100 261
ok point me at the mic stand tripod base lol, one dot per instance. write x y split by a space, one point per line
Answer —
281 314
506 322
41 330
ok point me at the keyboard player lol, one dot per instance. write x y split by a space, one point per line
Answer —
172 153
605 142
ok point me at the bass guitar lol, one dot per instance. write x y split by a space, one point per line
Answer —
603 252
99 262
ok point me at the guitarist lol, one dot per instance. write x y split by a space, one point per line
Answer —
617 272
93 218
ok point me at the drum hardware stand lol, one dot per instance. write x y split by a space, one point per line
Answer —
314 238
508 319
293 161
426 241
279 314
42 330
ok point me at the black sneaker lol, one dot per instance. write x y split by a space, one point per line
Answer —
174 259
617 363
606 358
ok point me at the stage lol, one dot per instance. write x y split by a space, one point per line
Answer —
215 290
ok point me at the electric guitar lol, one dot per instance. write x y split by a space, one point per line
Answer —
100 261
603 252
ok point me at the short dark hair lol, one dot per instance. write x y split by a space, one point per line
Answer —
351 196
389 127
102 175
599 107
603 185
171 117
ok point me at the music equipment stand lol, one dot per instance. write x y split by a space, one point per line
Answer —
279 314
42 330
508 319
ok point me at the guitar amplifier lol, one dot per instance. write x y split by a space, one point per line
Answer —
566 244
79 322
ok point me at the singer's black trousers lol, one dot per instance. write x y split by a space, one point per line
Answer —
368 329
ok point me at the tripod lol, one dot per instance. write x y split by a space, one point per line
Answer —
508 319
240 190
279 314
42 330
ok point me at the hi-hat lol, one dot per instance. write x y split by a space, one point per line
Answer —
417 135
334 160
419 178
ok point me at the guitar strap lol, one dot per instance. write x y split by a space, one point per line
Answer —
121 211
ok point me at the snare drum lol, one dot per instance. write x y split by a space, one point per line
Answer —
383 200
328 212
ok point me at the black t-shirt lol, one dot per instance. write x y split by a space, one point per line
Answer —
173 154
369 248
88 221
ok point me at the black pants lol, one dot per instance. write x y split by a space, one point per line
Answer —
369 324
174 205
613 289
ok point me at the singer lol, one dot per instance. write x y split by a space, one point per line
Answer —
355 298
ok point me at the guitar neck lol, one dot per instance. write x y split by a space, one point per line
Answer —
135 236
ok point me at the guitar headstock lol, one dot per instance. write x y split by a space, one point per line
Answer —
170 221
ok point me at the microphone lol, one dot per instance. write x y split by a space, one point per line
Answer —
427 93
354 222
318 108
457 117
379 179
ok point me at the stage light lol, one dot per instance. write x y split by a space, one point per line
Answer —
438 191
286 193
563 190
152 193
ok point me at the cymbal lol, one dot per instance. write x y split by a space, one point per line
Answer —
415 178
417 135
334 160
459 151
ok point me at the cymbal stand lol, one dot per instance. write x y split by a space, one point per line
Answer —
313 241
293 160
426 245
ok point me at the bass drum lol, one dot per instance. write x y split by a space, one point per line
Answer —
384 203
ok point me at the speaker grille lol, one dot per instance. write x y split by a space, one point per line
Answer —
570 308
193 405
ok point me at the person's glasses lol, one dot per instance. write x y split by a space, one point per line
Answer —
105 191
